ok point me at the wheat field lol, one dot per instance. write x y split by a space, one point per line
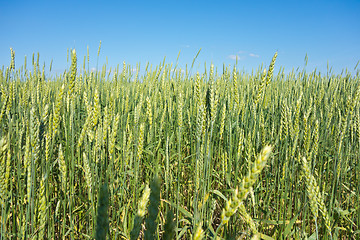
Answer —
171 154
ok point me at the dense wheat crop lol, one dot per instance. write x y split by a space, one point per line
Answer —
168 154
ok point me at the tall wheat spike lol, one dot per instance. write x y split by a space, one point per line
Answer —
88 175
3 161
245 185
261 87
87 126
316 198
97 108
149 111
134 234
199 233
222 122
236 90
42 209
4 106
63 169
12 64
57 109
72 73
271 69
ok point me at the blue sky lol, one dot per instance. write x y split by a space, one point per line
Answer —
147 31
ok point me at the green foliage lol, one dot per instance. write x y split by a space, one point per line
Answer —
169 227
151 224
102 218
62 136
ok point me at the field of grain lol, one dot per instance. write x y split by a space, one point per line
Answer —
168 153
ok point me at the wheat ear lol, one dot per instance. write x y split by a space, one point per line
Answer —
245 186
315 197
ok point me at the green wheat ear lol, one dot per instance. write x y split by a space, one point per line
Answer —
247 182
315 197
12 64
271 69
4 146
153 209
199 233
134 234
102 218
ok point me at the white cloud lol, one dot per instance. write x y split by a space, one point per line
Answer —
242 55
253 55
234 57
